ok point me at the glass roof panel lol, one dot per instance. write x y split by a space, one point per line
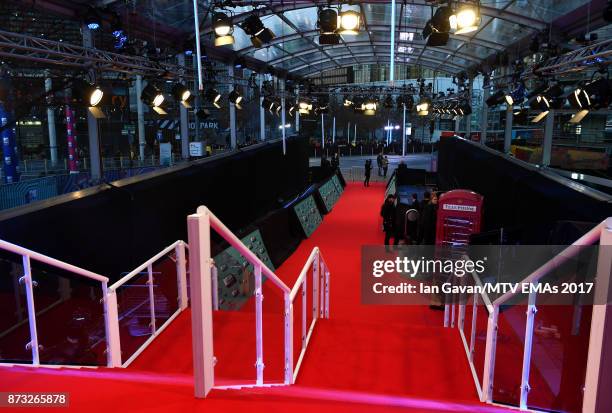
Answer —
277 25
303 19
267 54
380 14
546 10
296 45
503 31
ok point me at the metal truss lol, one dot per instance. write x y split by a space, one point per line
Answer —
19 46
585 58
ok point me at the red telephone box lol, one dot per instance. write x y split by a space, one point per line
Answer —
459 216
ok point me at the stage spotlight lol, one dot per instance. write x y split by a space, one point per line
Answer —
579 99
465 109
223 27
92 19
348 102
370 105
328 21
235 97
180 92
266 103
388 102
349 22
305 106
259 34
599 92
152 96
466 19
423 107
211 95
496 98
95 95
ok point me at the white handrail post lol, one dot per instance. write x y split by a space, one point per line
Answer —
288 339
181 272
215 287
151 297
473 331
315 286
111 324
198 229
599 337
489 361
326 292
26 280
531 311
304 310
259 325
322 270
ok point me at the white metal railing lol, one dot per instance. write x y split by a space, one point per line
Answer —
27 256
203 285
601 233
114 339
112 336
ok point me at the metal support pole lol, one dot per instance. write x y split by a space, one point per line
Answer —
348 133
404 133
549 126
51 121
531 311
484 120
196 27
111 321
200 263
27 281
489 361
392 44
355 134
151 298
315 287
183 114
232 110
334 131
508 129
283 116
262 112
215 287
259 365
181 274
92 122
288 339
322 131
141 122
297 116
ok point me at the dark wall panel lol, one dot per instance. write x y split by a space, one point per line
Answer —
515 196
112 229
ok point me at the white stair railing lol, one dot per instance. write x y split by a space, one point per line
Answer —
601 233
204 299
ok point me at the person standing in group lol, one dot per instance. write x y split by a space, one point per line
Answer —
367 172
335 161
415 203
388 214
428 221
379 163
385 166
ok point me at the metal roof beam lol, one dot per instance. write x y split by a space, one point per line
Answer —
314 71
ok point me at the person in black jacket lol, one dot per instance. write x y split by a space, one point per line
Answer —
428 222
388 212
367 172
415 203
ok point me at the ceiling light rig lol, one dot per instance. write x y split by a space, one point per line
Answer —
224 29
260 34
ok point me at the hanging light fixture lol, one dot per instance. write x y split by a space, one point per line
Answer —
211 95
92 19
466 19
152 95
180 92
259 34
423 107
304 106
235 97
224 29
349 22
328 26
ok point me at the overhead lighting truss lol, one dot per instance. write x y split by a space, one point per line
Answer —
19 46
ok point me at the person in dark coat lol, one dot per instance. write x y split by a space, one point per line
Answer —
428 222
388 212
367 172
335 161
385 166
425 201
415 203
379 163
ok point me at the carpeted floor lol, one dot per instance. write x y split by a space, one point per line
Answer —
365 358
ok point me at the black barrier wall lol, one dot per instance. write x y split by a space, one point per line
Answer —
112 229
515 195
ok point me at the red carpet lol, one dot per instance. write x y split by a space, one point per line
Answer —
365 358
